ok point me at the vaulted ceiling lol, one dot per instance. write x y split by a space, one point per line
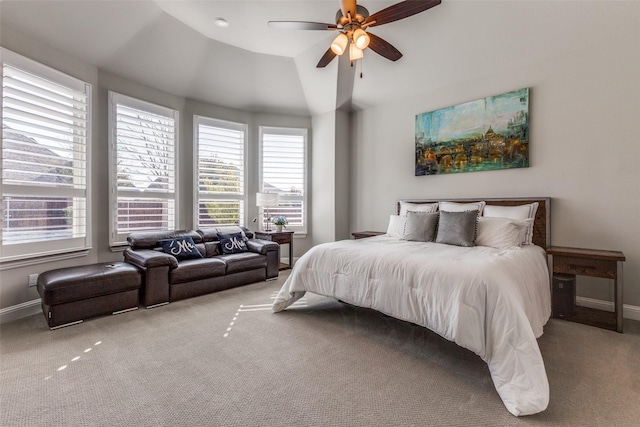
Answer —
176 47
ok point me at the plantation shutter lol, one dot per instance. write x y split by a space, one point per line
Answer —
145 166
45 130
283 171
221 172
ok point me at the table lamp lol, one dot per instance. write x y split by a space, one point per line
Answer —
266 200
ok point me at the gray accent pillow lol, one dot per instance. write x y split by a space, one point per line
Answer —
457 228
420 226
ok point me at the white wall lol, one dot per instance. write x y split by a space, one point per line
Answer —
584 108
323 178
342 175
330 177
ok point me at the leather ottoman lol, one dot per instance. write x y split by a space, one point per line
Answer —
70 295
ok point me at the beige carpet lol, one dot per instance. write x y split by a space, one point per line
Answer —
225 359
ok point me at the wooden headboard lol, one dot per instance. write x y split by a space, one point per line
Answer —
541 223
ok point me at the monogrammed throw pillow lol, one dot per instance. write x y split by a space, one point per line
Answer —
181 248
232 243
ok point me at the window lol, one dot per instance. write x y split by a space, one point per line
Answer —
45 134
220 161
144 139
283 170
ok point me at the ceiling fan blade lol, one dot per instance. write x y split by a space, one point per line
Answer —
384 48
326 58
301 25
401 10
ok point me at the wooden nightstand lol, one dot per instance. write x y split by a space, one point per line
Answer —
364 234
282 238
595 263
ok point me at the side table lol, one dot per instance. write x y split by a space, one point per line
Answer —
595 263
282 238
364 234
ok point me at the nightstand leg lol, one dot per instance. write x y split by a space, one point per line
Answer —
291 253
618 284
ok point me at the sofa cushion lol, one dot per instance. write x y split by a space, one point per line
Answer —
211 234
150 239
243 261
197 269
209 249
182 248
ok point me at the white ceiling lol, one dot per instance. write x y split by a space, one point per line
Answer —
248 27
174 45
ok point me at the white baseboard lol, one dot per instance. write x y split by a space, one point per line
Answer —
628 311
19 311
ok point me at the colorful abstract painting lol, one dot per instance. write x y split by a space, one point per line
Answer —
487 134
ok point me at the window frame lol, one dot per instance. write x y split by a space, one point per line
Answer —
23 251
114 98
291 131
225 124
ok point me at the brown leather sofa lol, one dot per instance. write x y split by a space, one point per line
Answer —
165 279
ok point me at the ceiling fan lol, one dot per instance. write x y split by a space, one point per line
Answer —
352 21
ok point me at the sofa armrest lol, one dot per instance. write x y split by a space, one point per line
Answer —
147 258
271 250
262 247
155 266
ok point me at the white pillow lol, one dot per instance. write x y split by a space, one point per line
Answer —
501 233
396 226
417 207
462 207
515 212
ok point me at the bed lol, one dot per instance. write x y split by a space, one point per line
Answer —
493 301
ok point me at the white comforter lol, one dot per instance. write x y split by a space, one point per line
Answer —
492 302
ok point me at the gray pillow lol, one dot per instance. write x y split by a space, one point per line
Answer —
420 226
457 228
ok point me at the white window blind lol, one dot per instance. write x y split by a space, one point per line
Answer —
45 131
283 170
220 162
144 141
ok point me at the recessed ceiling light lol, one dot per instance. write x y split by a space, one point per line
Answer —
221 22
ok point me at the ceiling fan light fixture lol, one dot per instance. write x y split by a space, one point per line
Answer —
355 53
361 39
339 44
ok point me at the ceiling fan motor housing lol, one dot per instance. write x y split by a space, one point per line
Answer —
361 14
